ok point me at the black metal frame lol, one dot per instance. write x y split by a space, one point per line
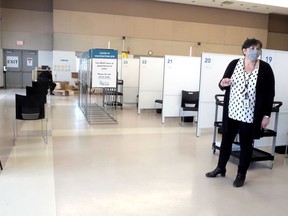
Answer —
258 155
30 107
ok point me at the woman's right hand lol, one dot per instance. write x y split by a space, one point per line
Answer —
225 82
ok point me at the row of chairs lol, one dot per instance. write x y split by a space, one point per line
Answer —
31 107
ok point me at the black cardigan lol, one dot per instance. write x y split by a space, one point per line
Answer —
265 92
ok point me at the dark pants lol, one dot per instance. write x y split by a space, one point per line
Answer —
52 86
246 142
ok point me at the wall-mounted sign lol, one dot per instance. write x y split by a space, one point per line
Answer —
20 43
12 61
29 61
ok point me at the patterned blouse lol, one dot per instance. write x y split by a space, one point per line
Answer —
243 93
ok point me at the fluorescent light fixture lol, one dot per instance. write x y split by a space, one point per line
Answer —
277 3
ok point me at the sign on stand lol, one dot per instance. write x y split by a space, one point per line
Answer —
104 68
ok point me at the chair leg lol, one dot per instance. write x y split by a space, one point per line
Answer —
286 149
181 122
45 131
15 131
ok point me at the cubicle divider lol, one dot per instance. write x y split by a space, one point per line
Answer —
180 73
130 75
278 61
213 66
150 82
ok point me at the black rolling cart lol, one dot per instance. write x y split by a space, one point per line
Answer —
114 96
258 154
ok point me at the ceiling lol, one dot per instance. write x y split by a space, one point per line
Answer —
234 5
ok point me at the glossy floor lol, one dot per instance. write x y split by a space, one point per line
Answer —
138 167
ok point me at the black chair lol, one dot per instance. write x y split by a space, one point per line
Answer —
158 105
30 108
189 103
41 86
37 89
43 83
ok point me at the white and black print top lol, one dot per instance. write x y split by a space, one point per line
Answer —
243 87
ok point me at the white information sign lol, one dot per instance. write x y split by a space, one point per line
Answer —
104 73
29 61
104 68
12 61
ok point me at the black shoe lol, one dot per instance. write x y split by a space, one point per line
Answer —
239 181
51 93
216 172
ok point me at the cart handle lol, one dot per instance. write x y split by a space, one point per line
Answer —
276 106
219 99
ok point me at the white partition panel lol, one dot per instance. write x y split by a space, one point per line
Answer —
130 76
150 82
278 61
213 67
1 66
180 73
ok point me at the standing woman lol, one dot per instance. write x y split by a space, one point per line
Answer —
249 93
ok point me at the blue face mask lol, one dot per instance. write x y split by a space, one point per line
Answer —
254 54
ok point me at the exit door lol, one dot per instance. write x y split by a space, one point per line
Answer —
19 64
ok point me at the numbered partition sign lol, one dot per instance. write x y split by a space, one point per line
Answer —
104 68
268 56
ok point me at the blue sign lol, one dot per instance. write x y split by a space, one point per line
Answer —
103 53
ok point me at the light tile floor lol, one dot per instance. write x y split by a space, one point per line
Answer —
138 167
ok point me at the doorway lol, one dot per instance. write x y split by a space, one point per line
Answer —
19 65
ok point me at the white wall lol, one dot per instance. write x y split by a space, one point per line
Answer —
64 62
45 58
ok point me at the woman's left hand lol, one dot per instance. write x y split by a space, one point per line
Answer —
265 122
